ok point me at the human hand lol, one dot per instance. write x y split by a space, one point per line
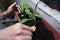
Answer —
13 7
16 32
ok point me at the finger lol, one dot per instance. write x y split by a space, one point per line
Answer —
27 38
22 29
18 8
27 28
15 29
23 37
25 32
13 4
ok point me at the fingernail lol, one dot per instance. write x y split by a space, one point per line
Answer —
33 27
15 2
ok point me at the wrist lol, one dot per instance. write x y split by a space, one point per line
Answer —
5 13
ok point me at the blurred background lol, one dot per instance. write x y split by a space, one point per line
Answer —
55 4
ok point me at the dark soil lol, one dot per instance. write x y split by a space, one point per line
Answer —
41 32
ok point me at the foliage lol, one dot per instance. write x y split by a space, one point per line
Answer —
26 10
23 4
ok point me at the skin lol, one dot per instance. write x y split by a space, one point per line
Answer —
17 31
10 9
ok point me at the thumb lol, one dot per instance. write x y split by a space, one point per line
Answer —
13 4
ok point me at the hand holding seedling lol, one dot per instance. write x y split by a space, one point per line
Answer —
10 9
13 7
17 31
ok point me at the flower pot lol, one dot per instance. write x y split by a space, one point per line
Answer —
51 28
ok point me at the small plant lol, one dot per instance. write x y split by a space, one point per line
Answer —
26 13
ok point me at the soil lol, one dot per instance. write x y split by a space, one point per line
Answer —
41 32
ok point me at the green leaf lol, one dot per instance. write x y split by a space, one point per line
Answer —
25 20
30 15
33 18
37 15
22 4
27 11
26 6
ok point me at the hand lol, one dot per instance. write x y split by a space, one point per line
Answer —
16 32
11 7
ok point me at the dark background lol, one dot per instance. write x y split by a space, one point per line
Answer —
55 4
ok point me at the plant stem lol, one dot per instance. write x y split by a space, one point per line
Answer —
18 18
36 22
